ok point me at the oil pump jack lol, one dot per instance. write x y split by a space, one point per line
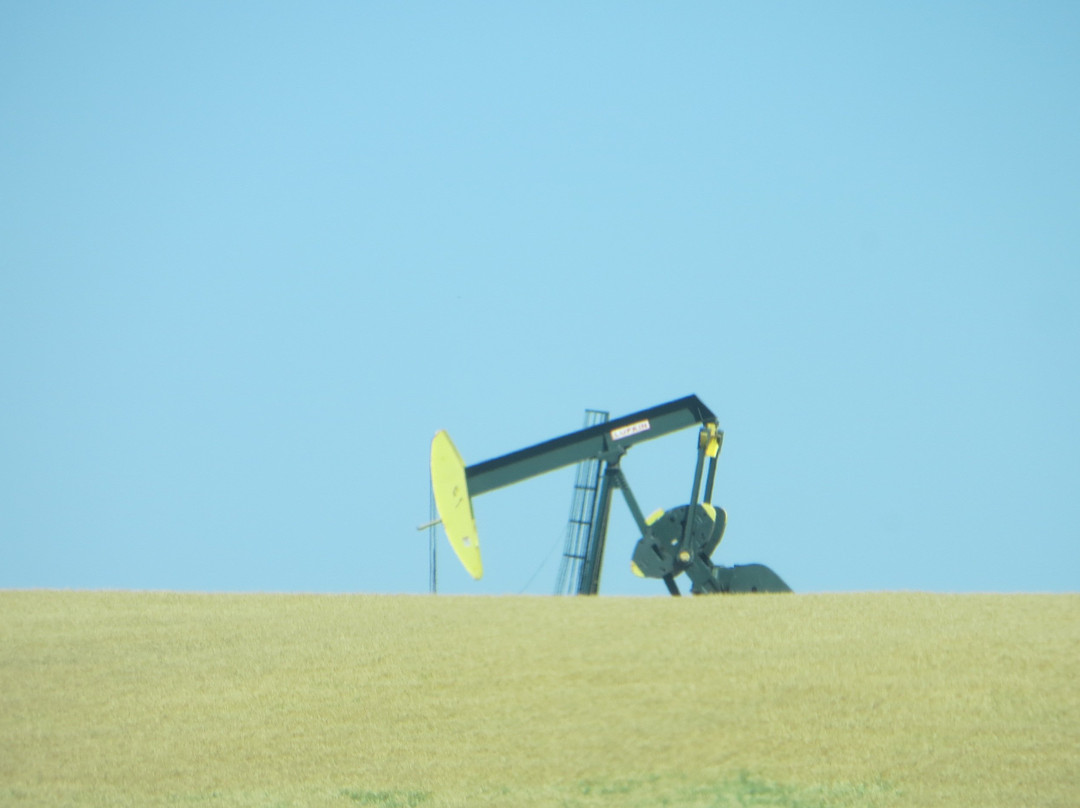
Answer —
673 542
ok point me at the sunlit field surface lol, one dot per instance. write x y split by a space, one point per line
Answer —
157 699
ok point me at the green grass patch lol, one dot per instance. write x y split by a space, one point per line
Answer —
743 790
387 799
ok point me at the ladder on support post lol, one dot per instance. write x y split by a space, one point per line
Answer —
582 517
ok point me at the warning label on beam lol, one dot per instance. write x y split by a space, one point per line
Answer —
630 429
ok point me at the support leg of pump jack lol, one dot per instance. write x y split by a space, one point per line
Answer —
613 478
672 587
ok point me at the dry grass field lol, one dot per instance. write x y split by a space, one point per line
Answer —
157 699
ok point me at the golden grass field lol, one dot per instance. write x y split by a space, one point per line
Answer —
158 699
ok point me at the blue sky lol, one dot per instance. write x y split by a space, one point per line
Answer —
252 257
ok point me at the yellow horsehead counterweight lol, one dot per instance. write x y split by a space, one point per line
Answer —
678 541
454 504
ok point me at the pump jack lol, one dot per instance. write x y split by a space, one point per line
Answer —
681 540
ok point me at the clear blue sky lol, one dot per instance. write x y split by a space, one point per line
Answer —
253 255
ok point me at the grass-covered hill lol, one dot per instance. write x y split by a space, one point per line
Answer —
157 699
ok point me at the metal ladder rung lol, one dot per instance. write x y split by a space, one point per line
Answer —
580 525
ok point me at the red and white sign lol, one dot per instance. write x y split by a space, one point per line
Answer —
630 429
